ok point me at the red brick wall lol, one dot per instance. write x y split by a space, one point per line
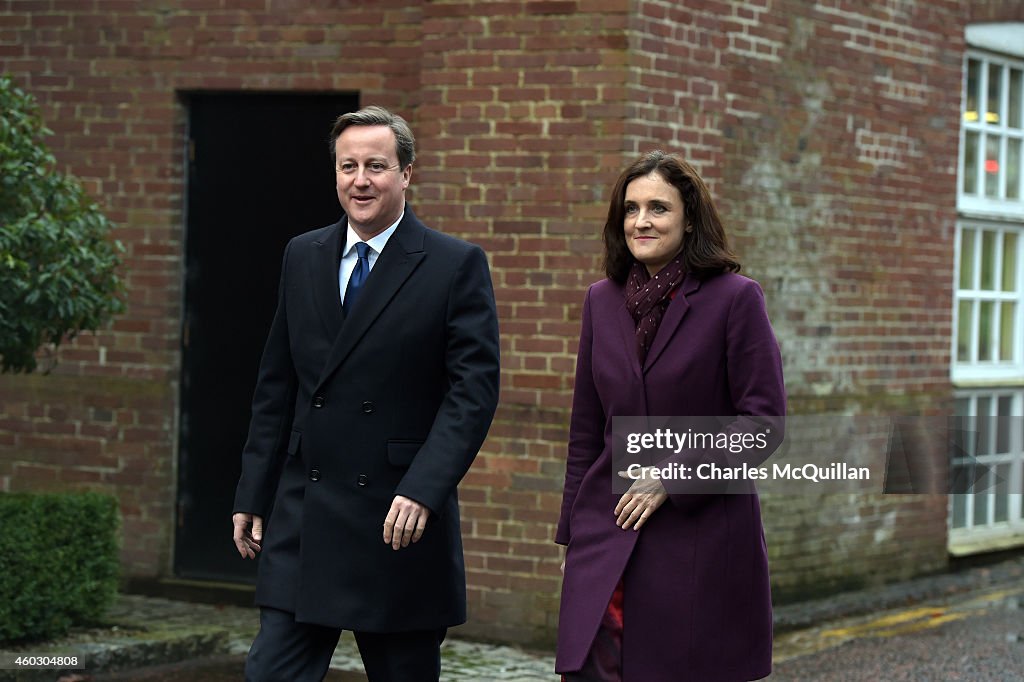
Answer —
826 130
107 76
840 144
521 127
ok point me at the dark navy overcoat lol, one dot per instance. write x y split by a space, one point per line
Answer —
350 411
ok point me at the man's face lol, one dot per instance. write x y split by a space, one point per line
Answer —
371 185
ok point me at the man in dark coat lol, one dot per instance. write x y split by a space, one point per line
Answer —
377 386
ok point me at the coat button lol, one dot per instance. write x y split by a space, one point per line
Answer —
368 407
318 401
362 480
314 474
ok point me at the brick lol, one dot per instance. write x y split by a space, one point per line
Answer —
551 7
524 121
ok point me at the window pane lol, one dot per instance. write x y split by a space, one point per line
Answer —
1003 422
1002 508
986 320
962 482
1010 261
967 259
970 162
1013 115
988 260
995 84
1012 168
959 509
1001 498
973 85
965 315
984 426
991 166
981 503
965 437
1006 331
962 406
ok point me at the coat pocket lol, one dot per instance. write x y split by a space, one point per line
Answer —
402 452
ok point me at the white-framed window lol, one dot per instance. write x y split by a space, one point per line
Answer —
987 366
989 460
988 311
992 136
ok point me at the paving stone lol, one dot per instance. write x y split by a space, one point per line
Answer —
151 630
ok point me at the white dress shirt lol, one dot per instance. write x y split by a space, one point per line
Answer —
350 257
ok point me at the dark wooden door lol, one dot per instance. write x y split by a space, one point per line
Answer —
259 173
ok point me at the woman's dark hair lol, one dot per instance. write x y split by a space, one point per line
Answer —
705 247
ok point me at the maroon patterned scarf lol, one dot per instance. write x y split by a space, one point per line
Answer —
647 297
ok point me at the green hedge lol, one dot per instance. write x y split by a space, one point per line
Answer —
58 562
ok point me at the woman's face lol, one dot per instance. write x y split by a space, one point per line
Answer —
655 221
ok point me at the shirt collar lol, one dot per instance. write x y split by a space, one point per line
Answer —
377 242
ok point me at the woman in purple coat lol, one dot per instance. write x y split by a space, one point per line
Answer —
659 586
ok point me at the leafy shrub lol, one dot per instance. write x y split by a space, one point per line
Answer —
58 562
57 267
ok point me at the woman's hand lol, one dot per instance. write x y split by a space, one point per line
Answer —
642 499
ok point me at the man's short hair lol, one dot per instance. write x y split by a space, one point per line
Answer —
379 116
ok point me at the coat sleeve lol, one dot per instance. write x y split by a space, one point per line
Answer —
754 363
273 407
756 386
586 426
472 365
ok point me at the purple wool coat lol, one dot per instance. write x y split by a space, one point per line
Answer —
697 600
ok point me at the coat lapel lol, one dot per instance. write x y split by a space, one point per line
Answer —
324 274
398 260
627 328
673 318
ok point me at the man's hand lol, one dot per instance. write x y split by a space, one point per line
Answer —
638 503
248 543
405 522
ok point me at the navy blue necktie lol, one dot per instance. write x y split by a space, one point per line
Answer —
359 274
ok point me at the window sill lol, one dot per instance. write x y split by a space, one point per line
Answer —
966 546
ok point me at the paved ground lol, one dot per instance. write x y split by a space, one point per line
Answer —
462 660
211 669
154 636
977 637
152 632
